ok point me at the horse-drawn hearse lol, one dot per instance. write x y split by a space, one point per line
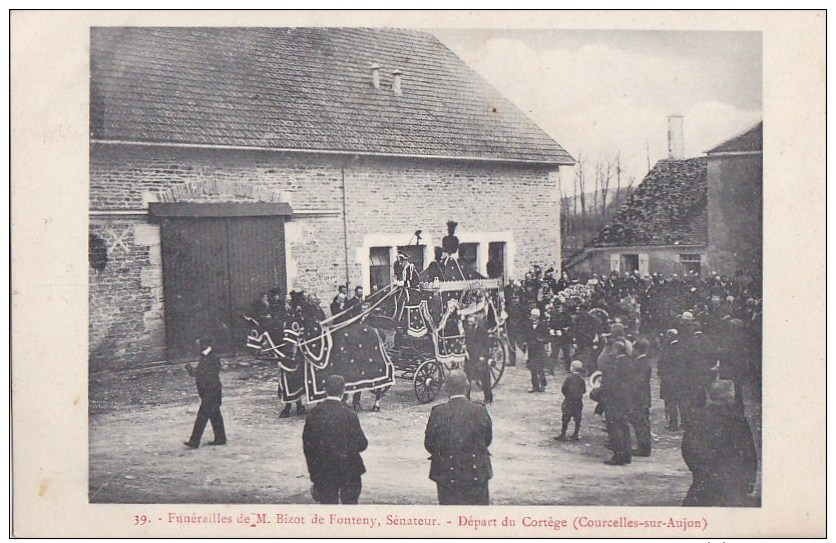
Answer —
412 329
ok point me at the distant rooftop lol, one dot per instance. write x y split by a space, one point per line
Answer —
669 207
749 141
304 89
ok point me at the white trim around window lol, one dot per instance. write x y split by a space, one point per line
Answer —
483 239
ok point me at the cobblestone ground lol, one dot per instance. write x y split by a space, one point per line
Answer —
139 419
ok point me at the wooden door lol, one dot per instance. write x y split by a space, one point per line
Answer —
195 284
214 268
256 264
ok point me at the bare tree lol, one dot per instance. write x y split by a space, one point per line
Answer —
598 173
605 187
582 188
618 181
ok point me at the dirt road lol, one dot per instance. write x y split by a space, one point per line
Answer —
138 421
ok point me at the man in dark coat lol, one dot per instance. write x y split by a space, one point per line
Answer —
333 440
208 381
671 376
535 336
355 303
719 449
699 357
338 305
457 437
640 415
561 322
278 305
616 388
515 318
478 346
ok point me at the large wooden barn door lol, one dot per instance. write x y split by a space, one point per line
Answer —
214 268
195 283
256 264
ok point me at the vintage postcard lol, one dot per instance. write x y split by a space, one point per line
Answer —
545 265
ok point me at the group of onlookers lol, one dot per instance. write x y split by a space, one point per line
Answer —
705 335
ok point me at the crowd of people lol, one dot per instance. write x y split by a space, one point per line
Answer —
703 332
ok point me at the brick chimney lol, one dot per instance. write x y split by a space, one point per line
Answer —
375 68
397 76
676 137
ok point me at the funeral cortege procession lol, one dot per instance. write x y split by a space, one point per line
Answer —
398 287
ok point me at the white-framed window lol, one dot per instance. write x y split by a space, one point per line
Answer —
468 254
380 268
378 253
478 249
475 248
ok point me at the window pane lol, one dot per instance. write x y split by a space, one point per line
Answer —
467 253
379 256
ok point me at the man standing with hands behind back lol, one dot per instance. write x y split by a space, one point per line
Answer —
333 440
457 437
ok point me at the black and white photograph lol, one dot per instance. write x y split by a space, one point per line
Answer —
417 265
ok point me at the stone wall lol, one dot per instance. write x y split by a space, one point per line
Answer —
383 196
735 213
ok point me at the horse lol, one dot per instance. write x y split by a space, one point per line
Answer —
351 348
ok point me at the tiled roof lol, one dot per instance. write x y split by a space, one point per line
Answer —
751 140
669 207
303 89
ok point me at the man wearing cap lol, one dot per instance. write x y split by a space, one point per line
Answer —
535 337
719 449
332 441
457 437
208 381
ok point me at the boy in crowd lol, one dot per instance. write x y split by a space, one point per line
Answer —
573 389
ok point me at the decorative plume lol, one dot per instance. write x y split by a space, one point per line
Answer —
451 227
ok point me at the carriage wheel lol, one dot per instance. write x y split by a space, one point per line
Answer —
499 353
429 377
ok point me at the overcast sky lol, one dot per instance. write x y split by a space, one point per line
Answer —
598 93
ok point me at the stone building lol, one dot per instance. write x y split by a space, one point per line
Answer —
735 194
688 215
227 161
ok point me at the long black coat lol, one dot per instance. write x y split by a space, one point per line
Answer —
332 441
457 437
719 449
536 339
208 380
671 370
617 386
478 344
641 381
